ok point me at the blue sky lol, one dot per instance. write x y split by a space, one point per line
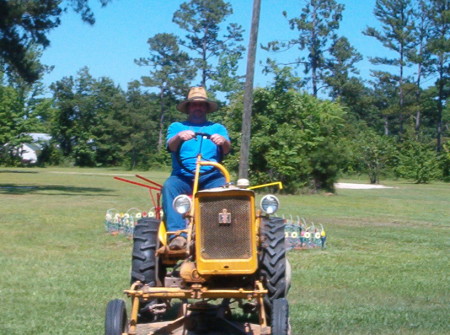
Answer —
120 35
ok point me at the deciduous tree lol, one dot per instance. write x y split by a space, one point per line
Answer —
295 137
82 106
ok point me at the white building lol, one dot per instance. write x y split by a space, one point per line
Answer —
29 152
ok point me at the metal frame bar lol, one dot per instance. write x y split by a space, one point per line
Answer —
195 293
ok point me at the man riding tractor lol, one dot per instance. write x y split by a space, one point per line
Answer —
223 251
183 144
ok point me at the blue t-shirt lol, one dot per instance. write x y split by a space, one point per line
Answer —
190 149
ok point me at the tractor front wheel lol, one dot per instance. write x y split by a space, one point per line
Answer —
274 268
145 240
144 261
116 322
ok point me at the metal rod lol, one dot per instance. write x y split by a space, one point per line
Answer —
149 181
138 184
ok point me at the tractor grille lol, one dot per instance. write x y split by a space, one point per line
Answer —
229 237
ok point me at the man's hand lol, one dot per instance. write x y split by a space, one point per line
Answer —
218 139
222 142
186 135
182 136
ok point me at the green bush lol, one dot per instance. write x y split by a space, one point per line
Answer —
296 139
418 161
374 154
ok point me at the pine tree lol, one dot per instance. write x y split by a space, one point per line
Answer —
340 66
396 35
317 25
24 26
171 71
201 19
438 46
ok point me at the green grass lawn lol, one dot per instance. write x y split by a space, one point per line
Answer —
385 269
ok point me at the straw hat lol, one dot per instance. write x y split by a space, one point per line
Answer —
197 94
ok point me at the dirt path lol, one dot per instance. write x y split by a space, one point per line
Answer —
359 186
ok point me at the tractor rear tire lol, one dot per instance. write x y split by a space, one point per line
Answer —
280 317
116 322
273 262
145 241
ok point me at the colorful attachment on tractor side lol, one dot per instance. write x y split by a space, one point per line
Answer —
117 222
301 235
123 223
155 187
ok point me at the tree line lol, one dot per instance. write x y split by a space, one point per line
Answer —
316 119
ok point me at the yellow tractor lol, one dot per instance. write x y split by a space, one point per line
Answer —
235 259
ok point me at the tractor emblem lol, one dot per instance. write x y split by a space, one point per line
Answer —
224 217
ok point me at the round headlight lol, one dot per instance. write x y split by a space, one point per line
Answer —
182 204
270 204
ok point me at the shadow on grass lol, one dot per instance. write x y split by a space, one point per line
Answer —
176 310
43 189
16 171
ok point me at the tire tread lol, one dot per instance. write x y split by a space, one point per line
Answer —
273 261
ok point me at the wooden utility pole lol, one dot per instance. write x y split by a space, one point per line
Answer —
248 93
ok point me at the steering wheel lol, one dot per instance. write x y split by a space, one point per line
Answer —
181 161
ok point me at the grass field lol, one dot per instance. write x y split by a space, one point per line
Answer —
385 271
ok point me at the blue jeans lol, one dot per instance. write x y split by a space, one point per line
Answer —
176 185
